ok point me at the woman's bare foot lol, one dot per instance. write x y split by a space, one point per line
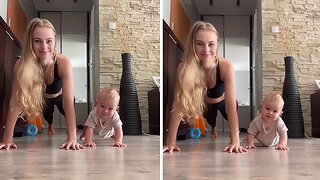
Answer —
214 133
51 130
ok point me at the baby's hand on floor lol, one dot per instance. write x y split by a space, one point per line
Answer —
90 144
282 147
250 146
119 144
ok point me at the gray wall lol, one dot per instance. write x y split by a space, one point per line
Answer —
3 9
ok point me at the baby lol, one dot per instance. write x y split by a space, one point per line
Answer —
268 127
104 119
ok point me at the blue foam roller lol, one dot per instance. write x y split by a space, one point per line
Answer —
195 133
32 130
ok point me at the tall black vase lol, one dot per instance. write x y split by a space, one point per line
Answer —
129 110
292 112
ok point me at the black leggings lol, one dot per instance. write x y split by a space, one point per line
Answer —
49 108
212 112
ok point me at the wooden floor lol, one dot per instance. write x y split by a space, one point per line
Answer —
203 159
39 157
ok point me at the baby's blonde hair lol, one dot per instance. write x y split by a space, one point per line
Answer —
190 86
273 96
30 73
109 93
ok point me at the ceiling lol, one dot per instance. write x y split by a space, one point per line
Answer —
207 7
59 5
203 6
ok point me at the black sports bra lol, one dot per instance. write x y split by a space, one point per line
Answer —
56 85
218 89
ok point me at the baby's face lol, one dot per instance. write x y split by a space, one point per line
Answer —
106 107
271 110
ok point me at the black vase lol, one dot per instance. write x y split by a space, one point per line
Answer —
292 112
129 110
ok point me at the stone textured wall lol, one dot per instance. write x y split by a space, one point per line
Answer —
299 33
138 33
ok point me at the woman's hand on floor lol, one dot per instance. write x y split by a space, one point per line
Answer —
170 148
72 145
234 147
8 146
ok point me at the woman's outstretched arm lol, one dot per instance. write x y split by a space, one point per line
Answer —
228 77
65 72
13 111
174 122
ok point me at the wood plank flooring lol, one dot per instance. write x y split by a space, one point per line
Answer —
39 157
203 159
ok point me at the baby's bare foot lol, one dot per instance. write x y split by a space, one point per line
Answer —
82 137
51 130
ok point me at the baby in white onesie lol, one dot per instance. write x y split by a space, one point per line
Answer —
268 127
104 119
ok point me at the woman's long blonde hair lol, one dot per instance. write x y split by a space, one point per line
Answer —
190 88
30 73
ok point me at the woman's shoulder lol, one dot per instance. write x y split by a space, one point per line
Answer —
62 60
18 62
64 65
224 62
225 66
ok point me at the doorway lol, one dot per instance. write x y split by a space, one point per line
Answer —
234 45
72 41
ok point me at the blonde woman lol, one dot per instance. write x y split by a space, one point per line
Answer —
204 82
41 75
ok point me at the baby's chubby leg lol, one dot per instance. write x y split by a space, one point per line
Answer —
82 136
